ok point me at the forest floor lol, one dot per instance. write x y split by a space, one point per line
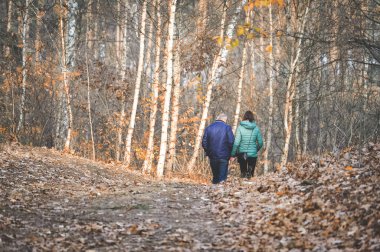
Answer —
51 201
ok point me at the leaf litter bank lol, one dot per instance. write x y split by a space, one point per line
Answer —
53 201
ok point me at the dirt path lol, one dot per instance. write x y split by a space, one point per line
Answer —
55 202
58 202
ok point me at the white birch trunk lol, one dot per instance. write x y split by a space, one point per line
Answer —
215 75
118 36
90 25
297 123
88 90
240 87
148 62
37 41
306 119
9 26
70 62
169 81
271 105
152 118
66 84
290 92
223 21
132 120
71 32
122 54
202 19
175 110
96 37
120 128
58 125
25 31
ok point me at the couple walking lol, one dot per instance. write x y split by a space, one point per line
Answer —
221 146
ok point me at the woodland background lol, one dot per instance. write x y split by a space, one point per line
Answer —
137 81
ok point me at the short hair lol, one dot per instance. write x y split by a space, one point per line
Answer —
223 117
248 115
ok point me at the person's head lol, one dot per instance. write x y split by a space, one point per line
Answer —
222 117
248 115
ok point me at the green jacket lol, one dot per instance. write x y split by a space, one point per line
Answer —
247 139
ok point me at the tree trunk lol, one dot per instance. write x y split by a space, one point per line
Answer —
240 87
37 41
271 105
156 79
148 62
175 110
88 90
169 81
25 37
215 74
118 37
96 37
223 20
90 25
202 19
66 85
290 92
306 118
122 54
132 120
297 123
7 50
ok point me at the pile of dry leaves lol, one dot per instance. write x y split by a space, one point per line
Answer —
51 201
322 204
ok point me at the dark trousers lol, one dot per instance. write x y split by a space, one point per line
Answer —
219 168
247 167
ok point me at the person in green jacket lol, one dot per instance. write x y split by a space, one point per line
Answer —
248 142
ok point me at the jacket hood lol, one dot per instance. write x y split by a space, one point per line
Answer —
248 124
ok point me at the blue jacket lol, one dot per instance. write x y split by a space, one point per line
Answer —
218 140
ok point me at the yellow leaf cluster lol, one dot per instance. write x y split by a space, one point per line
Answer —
189 120
262 3
218 40
234 43
269 48
240 30
348 168
140 153
249 6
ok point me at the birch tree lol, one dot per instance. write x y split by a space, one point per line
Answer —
93 156
7 49
68 40
270 87
156 79
202 19
37 41
291 87
132 119
240 87
297 120
148 62
215 74
175 109
241 80
69 63
306 119
122 59
169 81
25 37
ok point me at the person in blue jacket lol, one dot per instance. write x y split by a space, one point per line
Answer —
217 142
